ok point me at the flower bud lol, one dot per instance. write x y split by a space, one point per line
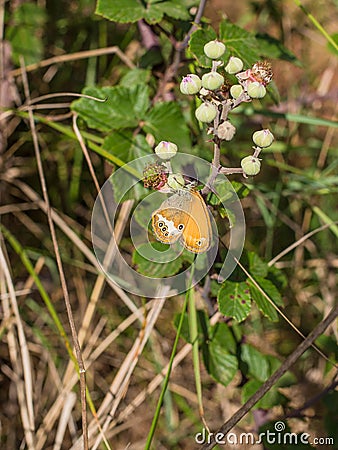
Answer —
190 84
214 49
236 90
175 181
226 131
212 80
256 90
166 150
263 138
251 165
206 112
234 65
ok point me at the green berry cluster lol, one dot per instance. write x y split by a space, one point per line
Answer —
219 98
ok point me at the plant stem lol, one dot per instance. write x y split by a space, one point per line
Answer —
170 364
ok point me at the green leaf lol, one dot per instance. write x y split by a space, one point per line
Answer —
239 42
197 42
124 107
29 14
166 123
270 399
219 364
277 277
257 267
135 76
156 269
126 146
24 43
24 33
263 304
144 259
220 334
258 365
124 11
234 300
270 47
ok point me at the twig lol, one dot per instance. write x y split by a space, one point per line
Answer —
290 360
76 344
74 57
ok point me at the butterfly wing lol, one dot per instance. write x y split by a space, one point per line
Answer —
196 236
170 219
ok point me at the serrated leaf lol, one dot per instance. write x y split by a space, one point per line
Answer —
125 11
257 267
258 365
263 304
124 107
239 42
197 42
234 300
270 399
166 123
219 364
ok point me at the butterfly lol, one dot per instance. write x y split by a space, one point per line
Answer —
184 216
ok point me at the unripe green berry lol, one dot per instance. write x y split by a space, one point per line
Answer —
236 90
263 138
175 181
166 150
234 65
256 90
190 84
212 80
206 112
251 165
214 49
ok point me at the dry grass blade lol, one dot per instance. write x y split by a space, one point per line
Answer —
59 264
74 57
69 404
21 365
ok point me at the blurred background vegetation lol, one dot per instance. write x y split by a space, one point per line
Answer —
295 193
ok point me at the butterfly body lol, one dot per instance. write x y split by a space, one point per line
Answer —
184 216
